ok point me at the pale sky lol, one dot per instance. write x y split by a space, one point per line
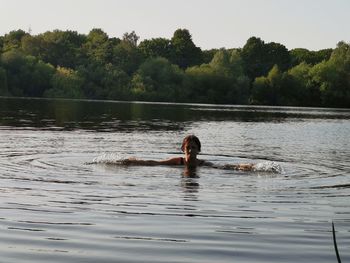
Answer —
311 24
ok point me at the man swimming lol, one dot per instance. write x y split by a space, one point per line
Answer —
191 147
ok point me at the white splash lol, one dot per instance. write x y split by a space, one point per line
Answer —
268 166
108 158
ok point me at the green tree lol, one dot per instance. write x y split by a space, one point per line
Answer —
59 48
157 79
199 81
323 54
207 55
184 52
277 54
266 90
131 38
33 45
221 60
333 77
299 55
98 48
127 56
3 83
107 82
259 57
253 55
156 47
66 83
115 83
1 43
12 40
12 61
220 81
298 88
26 75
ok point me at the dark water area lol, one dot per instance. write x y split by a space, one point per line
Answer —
117 116
63 199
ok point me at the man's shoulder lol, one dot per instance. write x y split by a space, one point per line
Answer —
173 161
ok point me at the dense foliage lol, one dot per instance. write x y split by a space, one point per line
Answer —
66 64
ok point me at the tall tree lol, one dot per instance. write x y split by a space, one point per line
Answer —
259 57
12 40
1 43
156 47
126 55
157 79
297 87
184 52
266 90
131 38
253 55
97 47
299 55
3 82
333 77
220 81
26 75
66 83
277 54
207 55
34 46
60 48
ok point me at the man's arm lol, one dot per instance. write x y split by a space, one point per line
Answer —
133 161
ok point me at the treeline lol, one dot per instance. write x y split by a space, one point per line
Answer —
66 64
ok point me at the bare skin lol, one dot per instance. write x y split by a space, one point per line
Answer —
191 150
190 159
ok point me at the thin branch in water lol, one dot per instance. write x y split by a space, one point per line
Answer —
335 244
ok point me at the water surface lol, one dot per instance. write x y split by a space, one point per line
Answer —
56 208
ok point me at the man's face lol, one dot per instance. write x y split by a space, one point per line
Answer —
191 150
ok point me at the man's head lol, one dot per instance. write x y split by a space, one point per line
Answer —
190 139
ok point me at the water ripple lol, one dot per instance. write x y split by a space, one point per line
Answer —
56 208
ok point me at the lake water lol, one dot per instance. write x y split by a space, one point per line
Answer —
61 202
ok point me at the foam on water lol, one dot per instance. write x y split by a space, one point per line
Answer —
108 158
268 166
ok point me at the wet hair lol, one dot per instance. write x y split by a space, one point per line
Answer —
191 138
